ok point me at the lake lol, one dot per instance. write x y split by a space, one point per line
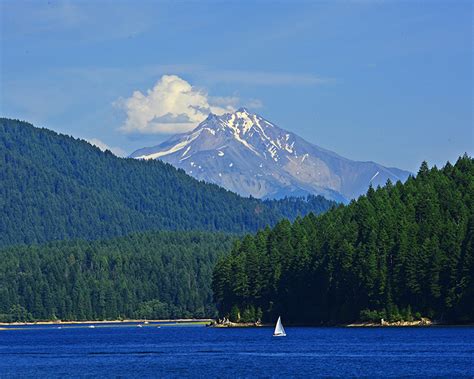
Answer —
197 351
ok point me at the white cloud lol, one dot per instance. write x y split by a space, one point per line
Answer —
171 106
103 146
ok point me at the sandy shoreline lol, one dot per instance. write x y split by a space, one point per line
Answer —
59 322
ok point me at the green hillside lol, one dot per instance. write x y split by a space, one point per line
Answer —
55 187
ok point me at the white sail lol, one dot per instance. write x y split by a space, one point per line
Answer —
279 330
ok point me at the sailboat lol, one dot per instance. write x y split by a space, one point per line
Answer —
279 330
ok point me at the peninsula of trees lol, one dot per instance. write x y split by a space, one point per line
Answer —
401 251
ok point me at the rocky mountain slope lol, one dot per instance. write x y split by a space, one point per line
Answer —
249 155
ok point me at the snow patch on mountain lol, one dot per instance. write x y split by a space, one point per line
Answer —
247 154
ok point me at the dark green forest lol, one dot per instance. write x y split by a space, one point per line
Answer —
55 187
400 252
154 275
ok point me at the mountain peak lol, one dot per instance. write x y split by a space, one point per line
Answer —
242 110
241 113
238 123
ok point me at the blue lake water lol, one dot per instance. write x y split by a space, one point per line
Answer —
197 351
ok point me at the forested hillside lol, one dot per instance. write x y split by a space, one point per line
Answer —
401 251
54 187
144 275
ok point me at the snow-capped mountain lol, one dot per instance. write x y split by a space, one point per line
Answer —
249 155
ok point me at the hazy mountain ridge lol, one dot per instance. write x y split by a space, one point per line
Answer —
249 155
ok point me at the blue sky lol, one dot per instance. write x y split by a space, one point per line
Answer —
371 80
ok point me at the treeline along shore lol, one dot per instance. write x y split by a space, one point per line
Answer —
150 275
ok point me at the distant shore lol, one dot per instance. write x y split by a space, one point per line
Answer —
424 322
137 321
229 324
